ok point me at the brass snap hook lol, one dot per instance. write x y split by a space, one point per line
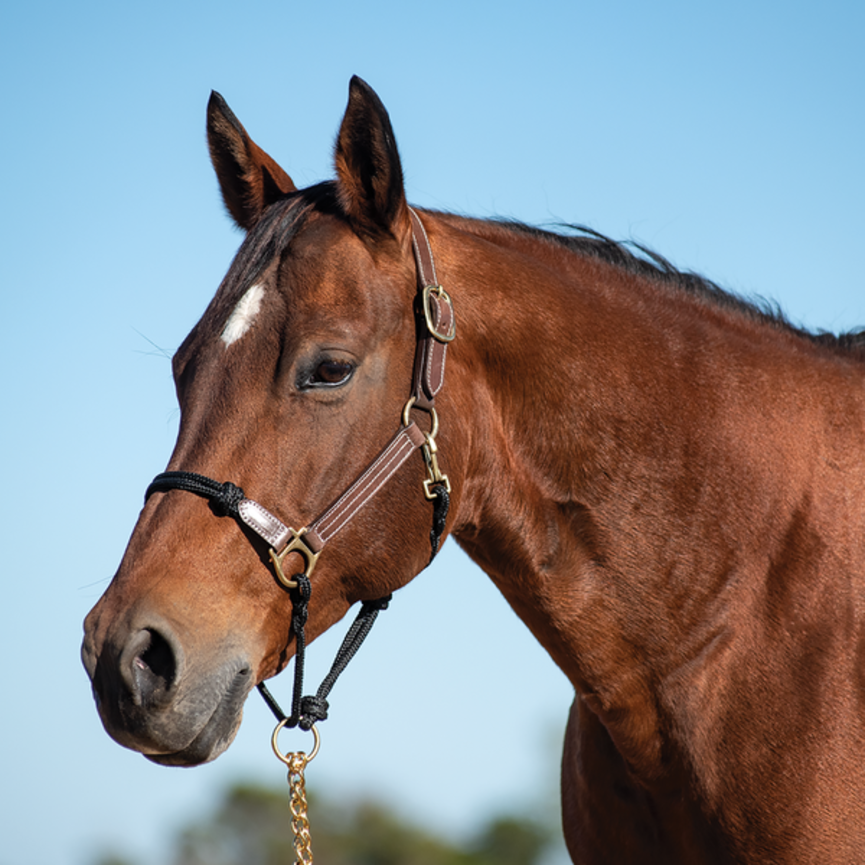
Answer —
436 476
429 449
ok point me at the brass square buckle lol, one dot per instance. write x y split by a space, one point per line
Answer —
445 298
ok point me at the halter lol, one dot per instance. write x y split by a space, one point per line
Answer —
436 328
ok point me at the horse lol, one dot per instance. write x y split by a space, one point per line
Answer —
665 481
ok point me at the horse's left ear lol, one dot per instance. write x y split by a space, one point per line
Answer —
369 174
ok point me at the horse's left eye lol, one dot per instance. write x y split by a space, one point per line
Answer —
330 373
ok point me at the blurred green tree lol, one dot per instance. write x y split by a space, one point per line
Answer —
251 826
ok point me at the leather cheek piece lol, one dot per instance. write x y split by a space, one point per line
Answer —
436 353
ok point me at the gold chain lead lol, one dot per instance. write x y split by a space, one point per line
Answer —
299 808
296 762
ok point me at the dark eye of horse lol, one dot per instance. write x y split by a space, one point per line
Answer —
330 373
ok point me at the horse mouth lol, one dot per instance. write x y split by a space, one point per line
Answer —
218 730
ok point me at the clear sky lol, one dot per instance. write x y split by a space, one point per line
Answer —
729 137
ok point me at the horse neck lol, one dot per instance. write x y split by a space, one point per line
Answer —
631 455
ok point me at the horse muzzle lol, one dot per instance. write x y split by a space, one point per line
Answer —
150 700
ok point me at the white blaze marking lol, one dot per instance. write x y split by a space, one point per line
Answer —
243 314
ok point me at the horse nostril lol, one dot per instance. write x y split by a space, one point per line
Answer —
158 658
152 667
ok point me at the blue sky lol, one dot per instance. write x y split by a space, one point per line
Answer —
729 137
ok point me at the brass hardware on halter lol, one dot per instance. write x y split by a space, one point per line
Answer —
443 296
296 762
436 476
406 416
429 450
286 758
295 545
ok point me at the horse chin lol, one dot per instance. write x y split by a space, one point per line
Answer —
207 746
217 733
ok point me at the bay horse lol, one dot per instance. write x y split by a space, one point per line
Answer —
665 482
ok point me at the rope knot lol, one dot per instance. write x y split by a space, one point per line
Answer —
312 708
225 499
302 592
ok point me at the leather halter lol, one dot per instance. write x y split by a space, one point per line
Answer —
436 328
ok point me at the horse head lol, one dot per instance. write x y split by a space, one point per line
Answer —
296 376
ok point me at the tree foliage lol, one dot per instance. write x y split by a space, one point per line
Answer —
251 826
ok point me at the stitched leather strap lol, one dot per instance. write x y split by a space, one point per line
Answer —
426 270
431 352
382 469
407 440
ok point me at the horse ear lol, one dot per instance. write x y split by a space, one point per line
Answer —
248 177
369 174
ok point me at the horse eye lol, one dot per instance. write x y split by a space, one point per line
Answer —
330 373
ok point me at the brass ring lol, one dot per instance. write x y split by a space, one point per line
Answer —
286 758
406 417
406 412
435 425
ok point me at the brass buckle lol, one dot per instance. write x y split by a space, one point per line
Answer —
295 545
442 295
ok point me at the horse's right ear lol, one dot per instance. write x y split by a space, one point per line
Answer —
248 177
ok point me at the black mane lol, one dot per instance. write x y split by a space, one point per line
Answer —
641 261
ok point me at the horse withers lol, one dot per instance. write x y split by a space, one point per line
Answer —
664 481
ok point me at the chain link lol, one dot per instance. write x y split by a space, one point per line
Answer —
296 762
298 805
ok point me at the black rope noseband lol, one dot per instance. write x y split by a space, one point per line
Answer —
224 498
305 710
